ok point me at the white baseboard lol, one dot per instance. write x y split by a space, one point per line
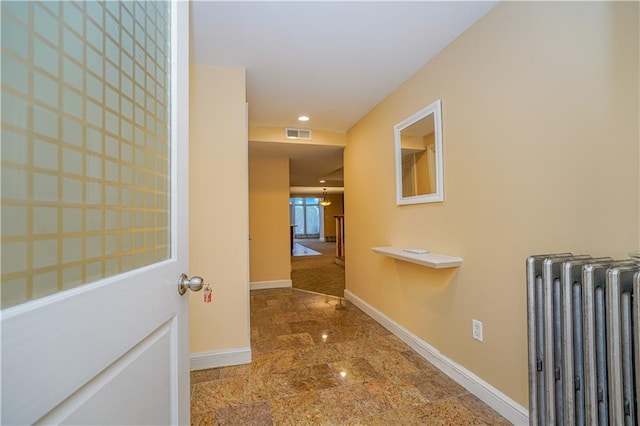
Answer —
261 285
204 360
505 406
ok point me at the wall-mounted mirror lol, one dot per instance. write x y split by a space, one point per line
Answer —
418 152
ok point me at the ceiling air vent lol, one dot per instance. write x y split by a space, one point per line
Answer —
291 133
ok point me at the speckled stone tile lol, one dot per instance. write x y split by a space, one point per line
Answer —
257 302
266 312
347 316
272 362
361 348
203 419
304 296
235 371
316 304
208 396
435 386
353 371
406 416
255 332
340 333
485 413
313 355
295 306
263 315
285 317
373 328
392 364
448 412
279 302
331 335
313 327
315 377
296 340
389 343
301 342
302 409
277 343
351 402
267 387
273 330
311 315
443 413
207 375
258 414
420 363
397 391
300 380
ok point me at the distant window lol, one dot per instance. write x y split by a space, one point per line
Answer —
305 215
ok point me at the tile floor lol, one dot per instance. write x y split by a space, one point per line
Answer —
319 361
300 250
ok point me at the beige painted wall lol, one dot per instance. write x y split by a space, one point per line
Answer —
218 214
270 252
541 154
276 134
336 207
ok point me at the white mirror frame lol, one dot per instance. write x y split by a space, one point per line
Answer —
437 196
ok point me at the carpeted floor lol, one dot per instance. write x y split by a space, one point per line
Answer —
319 274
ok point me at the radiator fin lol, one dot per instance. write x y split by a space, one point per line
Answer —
583 318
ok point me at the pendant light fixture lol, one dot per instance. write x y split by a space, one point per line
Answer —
325 201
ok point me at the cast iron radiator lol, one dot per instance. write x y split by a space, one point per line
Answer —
584 340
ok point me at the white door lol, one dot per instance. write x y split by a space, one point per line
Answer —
95 227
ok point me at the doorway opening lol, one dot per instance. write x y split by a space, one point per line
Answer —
319 273
314 262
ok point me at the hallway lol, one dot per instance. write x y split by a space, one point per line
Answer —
318 273
314 363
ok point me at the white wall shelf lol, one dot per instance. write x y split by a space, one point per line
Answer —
431 260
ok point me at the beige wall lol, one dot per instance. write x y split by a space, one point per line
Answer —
270 252
541 154
330 211
276 134
218 213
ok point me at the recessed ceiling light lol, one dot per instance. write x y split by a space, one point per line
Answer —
303 118
322 181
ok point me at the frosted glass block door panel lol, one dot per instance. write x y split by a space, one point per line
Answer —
85 142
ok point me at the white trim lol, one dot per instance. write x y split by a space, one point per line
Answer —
179 186
261 285
434 109
491 396
204 360
420 257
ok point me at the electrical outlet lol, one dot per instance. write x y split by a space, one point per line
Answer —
477 329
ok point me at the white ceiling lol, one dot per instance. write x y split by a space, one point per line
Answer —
331 60
308 163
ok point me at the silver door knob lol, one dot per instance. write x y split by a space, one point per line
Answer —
185 283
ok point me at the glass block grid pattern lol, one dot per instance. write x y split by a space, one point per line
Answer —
84 143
